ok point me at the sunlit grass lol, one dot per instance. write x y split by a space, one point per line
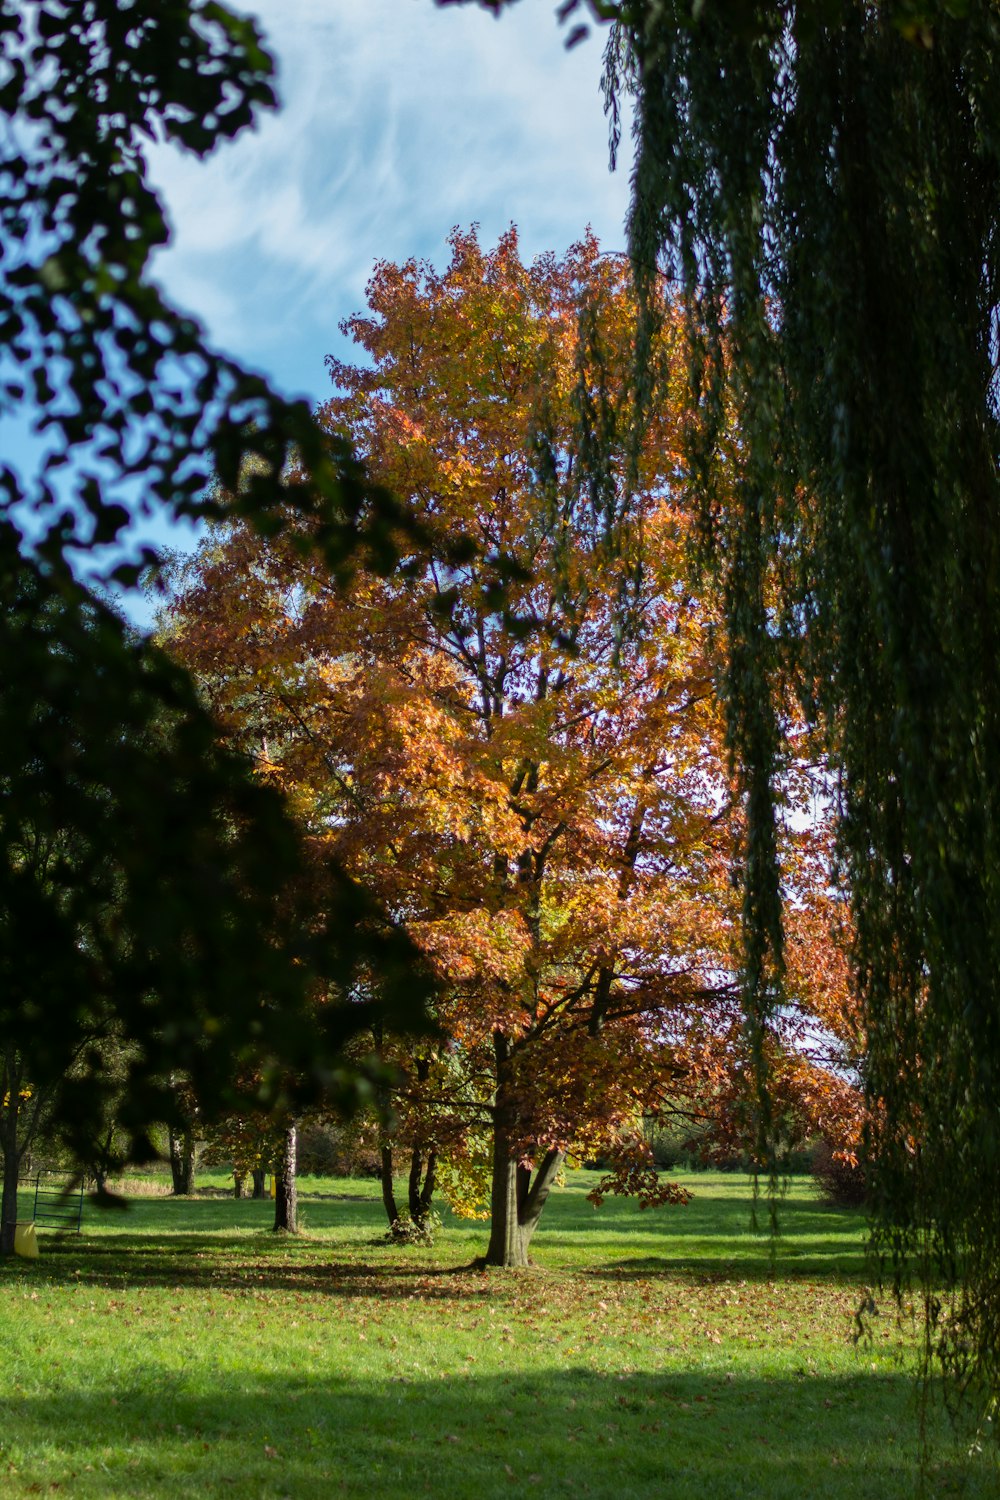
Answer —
183 1348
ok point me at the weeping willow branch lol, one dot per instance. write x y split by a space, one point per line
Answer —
823 179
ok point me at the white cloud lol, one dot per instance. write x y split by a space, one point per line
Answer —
400 120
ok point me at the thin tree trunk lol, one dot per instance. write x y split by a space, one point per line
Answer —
237 1184
11 1165
385 1178
101 1159
259 1182
11 1125
174 1156
187 1157
285 1189
419 1194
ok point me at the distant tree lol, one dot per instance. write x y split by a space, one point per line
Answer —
181 1137
30 1136
248 1142
105 1151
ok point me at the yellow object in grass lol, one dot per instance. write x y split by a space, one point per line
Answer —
26 1241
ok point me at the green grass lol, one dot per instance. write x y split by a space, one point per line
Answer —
182 1349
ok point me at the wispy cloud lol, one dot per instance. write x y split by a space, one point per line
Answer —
399 121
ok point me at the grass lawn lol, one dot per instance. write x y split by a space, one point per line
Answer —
182 1349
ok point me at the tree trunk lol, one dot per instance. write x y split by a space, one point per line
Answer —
285 1190
259 1182
385 1178
508 1245
11 1166
13 1149
19 1124
237 1184
420 1194
182 1161
516 1200
100 1164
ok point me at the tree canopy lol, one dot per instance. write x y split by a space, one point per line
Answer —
118 380
532 779
540 799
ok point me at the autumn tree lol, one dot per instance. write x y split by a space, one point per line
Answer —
431 1126
519 751
814 1043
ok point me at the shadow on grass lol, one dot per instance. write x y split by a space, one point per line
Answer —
228 1243
715 1270
570 1432
279 1263
200 1262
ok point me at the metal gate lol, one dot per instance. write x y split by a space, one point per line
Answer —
58 1205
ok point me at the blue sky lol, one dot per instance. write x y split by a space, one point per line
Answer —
399 121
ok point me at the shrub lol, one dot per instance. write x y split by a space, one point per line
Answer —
407 1231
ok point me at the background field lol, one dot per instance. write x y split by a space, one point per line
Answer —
182 1348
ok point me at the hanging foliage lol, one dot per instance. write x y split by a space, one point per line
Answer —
823 180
